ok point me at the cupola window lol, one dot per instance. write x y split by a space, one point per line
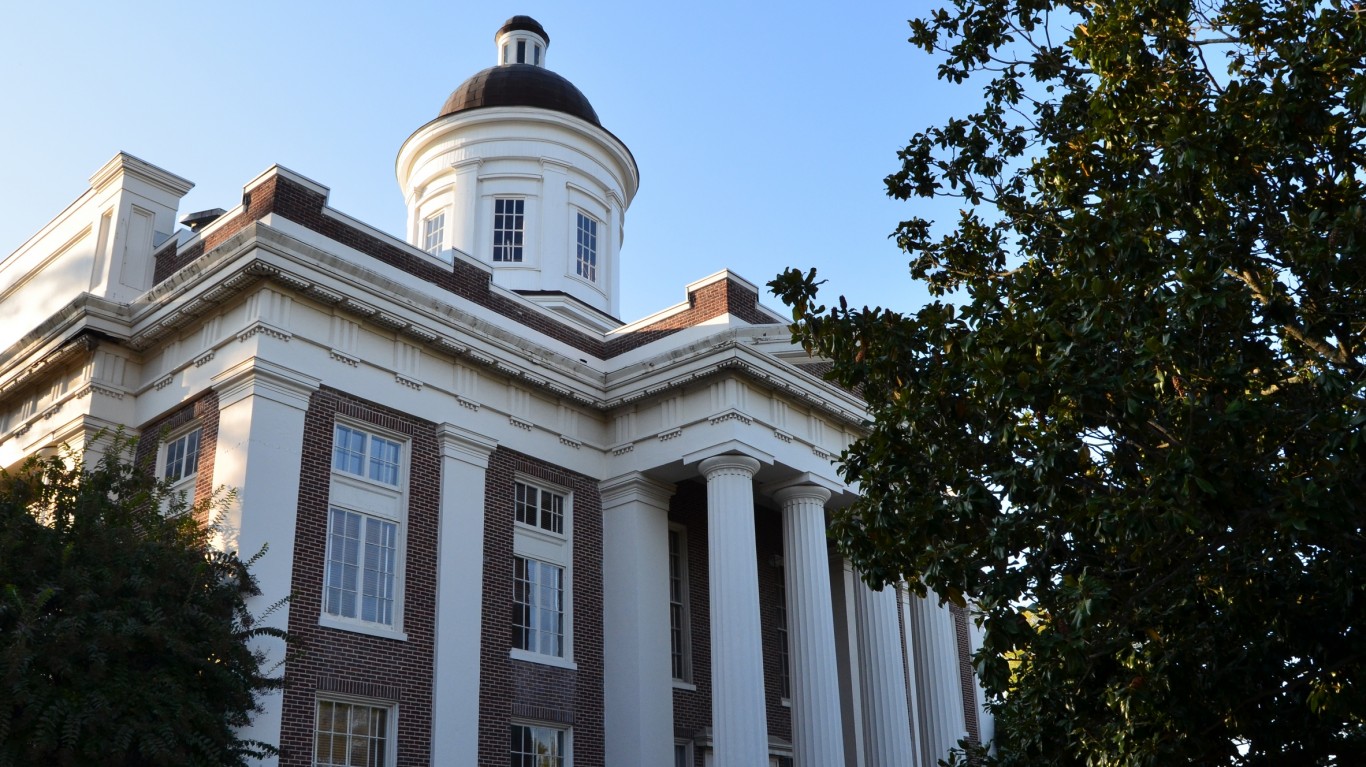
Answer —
521 51
586 264
508 221
536 55
505 53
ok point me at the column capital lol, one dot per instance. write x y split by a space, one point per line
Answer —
464 445
729 464
635 487
260 377
801 493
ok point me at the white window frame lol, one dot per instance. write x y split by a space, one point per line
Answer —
434 233
566 758
680 533
591 264
187 477
551 548
688 757
390 746
370 499
519 249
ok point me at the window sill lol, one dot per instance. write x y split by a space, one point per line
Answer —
786 702
679 684
357 627
544 660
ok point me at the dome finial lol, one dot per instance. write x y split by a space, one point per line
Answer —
521 40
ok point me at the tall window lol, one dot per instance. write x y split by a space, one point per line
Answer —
541 574
351 735
537 746
180 461
784 677
361 578
362 554
434 233
537 607
508 219
521 51
678 605
587 261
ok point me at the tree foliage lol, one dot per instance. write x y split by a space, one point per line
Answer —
124 634
1129 426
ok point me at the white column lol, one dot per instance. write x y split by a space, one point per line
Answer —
817 737
459 596
940 696
738 714
638 686
886 719
261 409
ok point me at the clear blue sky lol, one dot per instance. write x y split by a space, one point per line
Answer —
763 131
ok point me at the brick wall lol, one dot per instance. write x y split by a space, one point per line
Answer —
518 689
337 661
305 207
769 539
692 708
205 411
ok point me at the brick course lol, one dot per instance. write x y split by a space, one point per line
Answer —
338 661
526 690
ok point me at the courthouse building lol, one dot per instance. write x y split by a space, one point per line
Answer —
516 529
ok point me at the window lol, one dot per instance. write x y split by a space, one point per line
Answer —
180 458
362 554
363 570
365 455
508 217
352 735
505 53
537 607
784 676
680 654
536 54
587 248
539 508
521 51
537 746
434 233
542 577
682 753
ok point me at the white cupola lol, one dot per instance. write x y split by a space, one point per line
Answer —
517 172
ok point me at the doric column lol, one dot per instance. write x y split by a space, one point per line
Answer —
459 595
940 696
886 719
817 738
635 574
738 715
261 408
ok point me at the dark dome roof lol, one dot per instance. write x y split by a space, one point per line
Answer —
522 22
520 85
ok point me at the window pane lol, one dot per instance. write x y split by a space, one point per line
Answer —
384 460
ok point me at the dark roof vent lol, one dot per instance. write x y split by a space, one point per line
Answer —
196 221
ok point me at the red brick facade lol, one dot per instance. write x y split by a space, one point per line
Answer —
515 689
204 411
346 662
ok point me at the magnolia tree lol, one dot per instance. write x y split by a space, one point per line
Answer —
1128 429
125 637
